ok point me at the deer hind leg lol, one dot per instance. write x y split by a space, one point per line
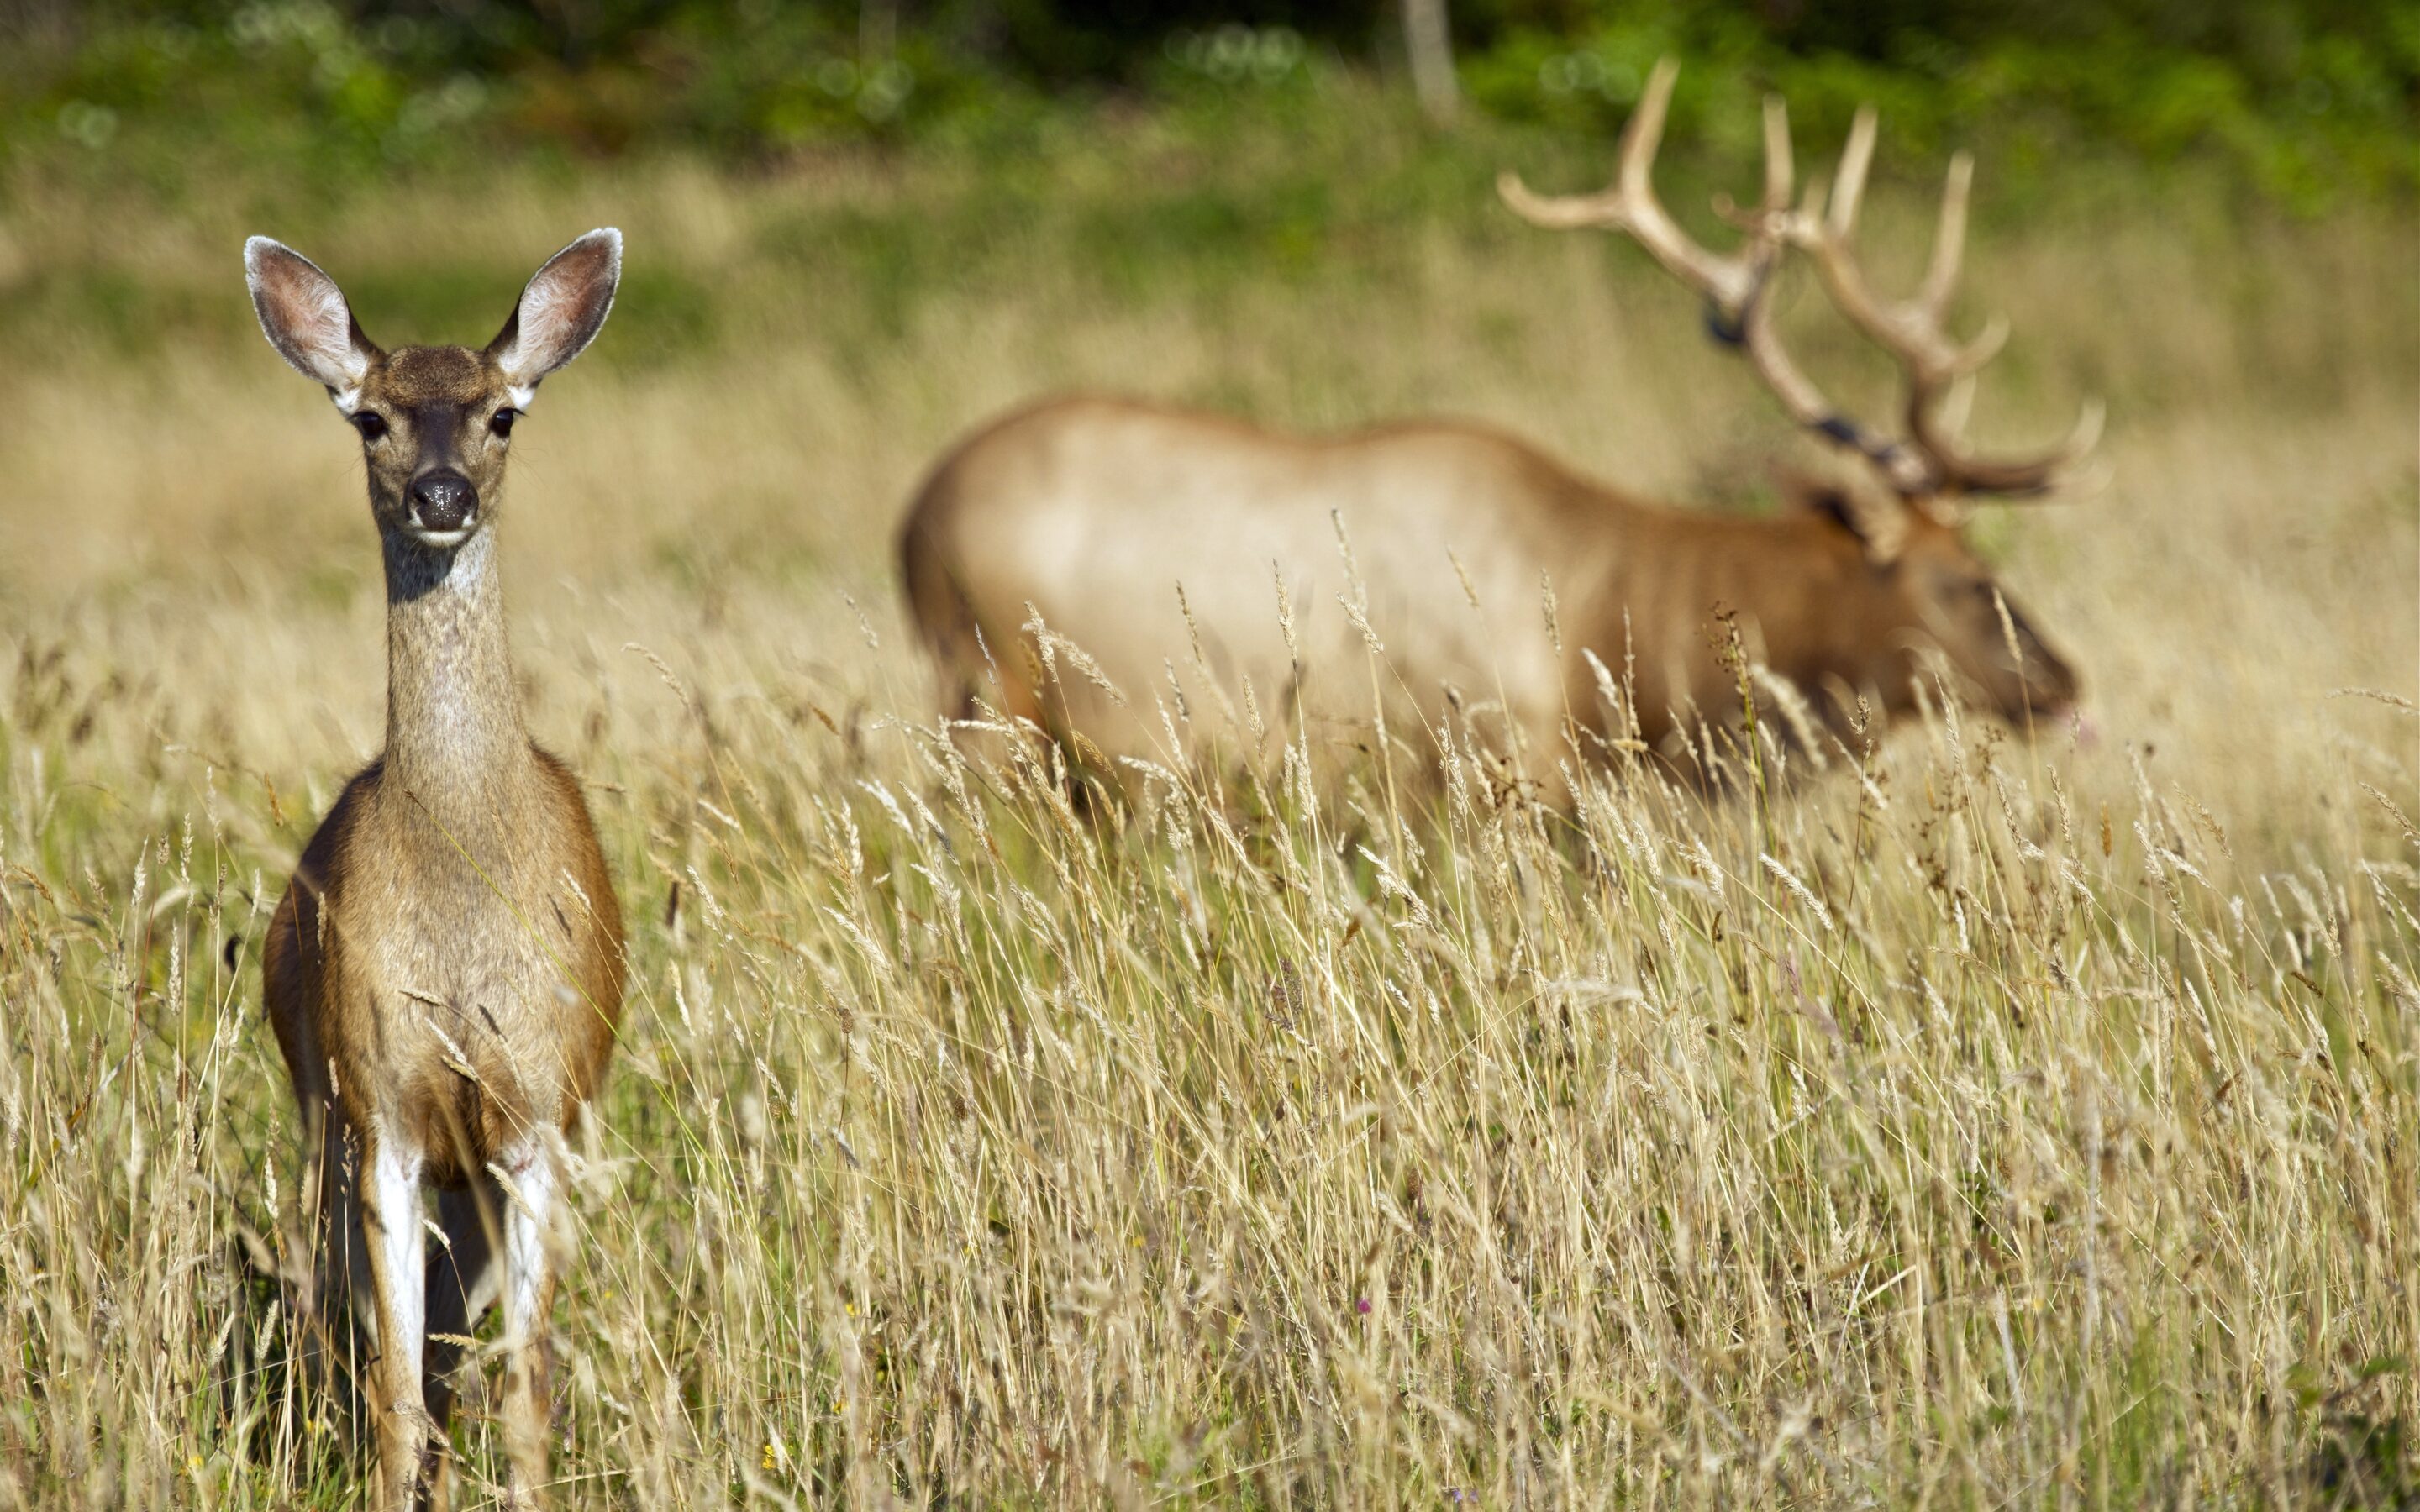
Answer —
529 1215
391 1225
464 1277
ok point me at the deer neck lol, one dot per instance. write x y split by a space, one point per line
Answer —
1762 570
454 741
1813 595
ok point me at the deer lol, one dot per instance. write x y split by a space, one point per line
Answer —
1110 568
444 972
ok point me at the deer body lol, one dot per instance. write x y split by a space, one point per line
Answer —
1095 512
1070 526
445 973
459 876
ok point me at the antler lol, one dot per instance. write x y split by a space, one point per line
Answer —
1734 285
1913 330
1931 461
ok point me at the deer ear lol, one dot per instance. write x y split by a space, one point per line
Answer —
1875 526
1832 502
559 312
305 317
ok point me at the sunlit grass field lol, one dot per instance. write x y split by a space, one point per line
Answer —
1983 1118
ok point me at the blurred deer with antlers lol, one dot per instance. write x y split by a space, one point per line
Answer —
1060 537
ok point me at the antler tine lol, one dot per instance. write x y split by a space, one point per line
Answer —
1849 185
1779 168
1556 212
1644 133
1960 472
1949 240
1613 207
1631 206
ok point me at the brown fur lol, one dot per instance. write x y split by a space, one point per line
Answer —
1094 511
445 971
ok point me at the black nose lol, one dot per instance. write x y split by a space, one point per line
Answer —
443 499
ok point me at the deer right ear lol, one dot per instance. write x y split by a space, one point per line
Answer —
305 317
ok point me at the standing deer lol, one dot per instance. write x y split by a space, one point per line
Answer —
1058 538
444 972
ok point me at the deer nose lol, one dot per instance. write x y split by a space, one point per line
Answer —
443 499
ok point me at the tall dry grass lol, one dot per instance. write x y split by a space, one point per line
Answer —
1982 1120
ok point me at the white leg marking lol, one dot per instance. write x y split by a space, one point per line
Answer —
530 1195
395 1201
529 1220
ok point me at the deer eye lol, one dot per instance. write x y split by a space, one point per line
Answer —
501 423
369 423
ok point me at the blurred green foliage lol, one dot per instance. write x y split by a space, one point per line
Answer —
2305 101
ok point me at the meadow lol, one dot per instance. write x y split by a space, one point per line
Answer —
1984 1118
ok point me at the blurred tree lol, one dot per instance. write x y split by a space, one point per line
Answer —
1428 36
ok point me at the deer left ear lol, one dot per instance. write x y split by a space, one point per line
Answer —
1833 504
1873 526
559 312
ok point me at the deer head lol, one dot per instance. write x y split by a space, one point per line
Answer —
1926 581
435 422
1926 589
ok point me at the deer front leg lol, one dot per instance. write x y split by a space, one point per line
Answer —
531 1198
391 1216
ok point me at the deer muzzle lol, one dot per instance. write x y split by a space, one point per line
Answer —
443 504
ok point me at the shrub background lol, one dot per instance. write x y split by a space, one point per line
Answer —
2303 99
